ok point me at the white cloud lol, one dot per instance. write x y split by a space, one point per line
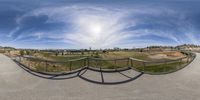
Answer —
102 27
38 35
13 31
90 26
97 30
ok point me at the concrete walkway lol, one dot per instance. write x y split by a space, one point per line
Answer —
17 84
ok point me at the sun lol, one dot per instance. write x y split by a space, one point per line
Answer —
95 31
95 28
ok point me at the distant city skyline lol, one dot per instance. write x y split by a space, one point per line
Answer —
78 24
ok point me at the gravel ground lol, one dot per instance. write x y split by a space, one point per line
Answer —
17 84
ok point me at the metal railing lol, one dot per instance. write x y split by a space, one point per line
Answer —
42 65
150 67
108 64
162 67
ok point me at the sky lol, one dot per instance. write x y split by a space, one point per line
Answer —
79 24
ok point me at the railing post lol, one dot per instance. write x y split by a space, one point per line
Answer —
85 63
144 66
115 64
96 63
29 64
100 65
131 62
46 66
20 59
57 68
70 65
88 62
165 66
128 62
180 61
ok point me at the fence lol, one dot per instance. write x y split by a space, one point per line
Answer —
108 64
162 67
42 65
150 67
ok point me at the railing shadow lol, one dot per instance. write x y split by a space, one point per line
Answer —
104 82
78 73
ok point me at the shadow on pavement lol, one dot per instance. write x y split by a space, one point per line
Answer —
80 73
102 81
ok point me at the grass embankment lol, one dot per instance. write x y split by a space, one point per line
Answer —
125 54
166 67
52 66
2 51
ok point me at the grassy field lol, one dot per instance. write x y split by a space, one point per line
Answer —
110 55
125 54
113 55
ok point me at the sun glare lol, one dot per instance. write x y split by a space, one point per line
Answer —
95 28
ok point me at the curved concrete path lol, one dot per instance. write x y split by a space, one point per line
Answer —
17 84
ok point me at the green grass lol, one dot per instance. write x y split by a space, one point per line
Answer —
59 67
110 55
2 51
61 58
106 64
52 66
162 67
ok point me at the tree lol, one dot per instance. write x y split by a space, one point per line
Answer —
27 52
9 52
56 54
96 55
62 53
21 52
104 51
82 52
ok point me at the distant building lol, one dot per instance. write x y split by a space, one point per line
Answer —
188 47
116 48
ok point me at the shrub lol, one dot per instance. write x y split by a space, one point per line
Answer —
21 52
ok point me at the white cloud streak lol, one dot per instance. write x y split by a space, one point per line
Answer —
101 27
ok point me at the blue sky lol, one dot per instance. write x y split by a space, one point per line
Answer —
79 24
